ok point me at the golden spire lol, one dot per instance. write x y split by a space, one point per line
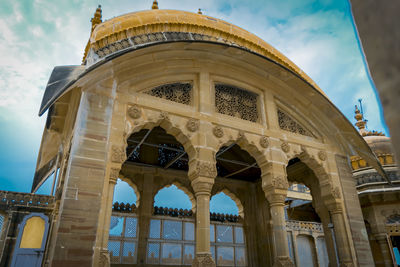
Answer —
199 12
360 122
96 20
155 5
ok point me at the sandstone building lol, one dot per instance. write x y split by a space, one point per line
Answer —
171 97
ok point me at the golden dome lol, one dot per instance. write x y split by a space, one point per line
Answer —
156 21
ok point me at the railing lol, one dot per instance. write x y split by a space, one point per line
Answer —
304 226
25 199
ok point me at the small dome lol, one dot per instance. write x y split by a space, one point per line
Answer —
379 144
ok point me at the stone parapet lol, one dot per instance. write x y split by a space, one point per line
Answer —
25 199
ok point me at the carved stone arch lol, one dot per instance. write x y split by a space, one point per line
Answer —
172 124
255 145
233 196
180 186
133 186
329 190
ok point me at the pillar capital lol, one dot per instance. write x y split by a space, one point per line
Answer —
202 168
202 185
114 173
283 261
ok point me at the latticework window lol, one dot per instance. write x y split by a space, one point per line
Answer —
236 102
177 92
171 242
122 243
228 244
287 123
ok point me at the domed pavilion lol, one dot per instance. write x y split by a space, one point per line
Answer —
168 97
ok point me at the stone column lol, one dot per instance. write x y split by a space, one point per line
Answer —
202 187
385 249
342 243
104 223
76 230
275 185
145 212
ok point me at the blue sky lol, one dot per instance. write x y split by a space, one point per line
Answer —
36 35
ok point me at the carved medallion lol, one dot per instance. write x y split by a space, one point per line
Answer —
164 115
285 147
135 112
192 125
218 132
117 154
264 141
322 155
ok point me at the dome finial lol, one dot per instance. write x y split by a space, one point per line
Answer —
97 18
360 121
199 12
155 5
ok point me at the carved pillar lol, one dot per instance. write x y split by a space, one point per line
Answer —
104 224
145 211
385 249
342 243
202 176
275 185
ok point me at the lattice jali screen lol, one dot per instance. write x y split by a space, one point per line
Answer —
177 92
287 123
122 243
236 102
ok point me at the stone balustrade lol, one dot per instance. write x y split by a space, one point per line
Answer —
122 207
374 177
25 199
304 226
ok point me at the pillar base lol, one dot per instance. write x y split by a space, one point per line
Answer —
203 260
104 258
283 261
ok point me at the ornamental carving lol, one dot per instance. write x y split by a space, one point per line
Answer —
218 132
192 125
204 169
104 258
204 260
285 147
177 92
135 112
114 173
164 115
289 124
118 154
283 261
279 182
264 141
335 192
236 102
322 155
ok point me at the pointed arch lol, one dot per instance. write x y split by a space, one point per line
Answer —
181 187
173 125
133 186
235 199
